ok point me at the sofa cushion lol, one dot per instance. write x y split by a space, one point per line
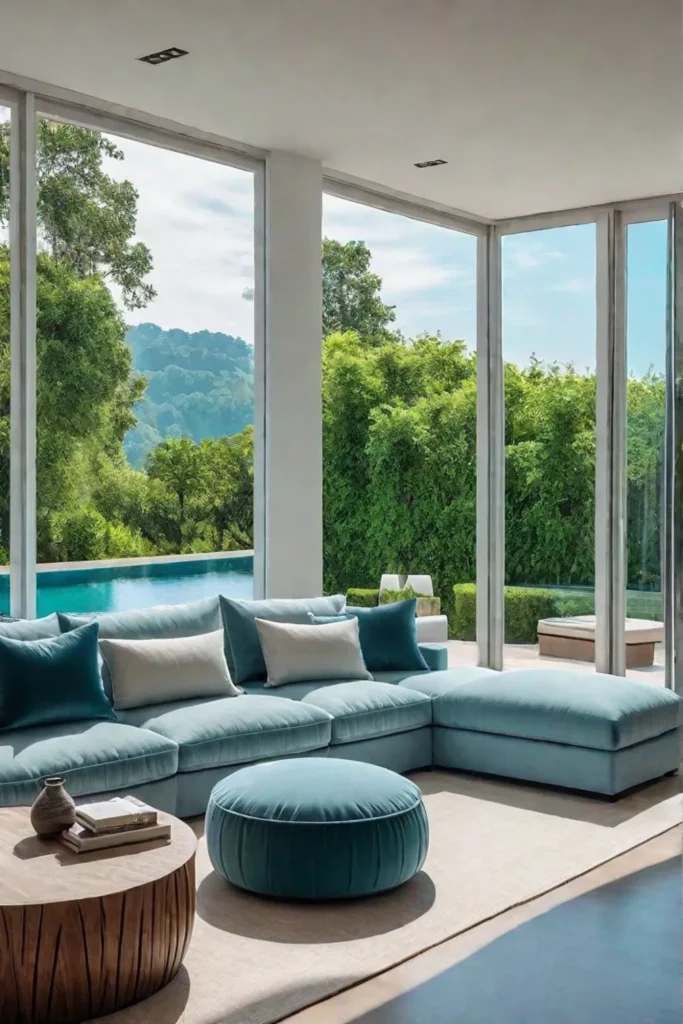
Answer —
31 629
294 652
157 623
583 709
236 730
243 647
388 636
364 709
94 757
438 684
175 668
160 622
52 680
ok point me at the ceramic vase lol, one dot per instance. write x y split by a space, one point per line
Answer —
53 810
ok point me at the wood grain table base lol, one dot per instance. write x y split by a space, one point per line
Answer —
73 960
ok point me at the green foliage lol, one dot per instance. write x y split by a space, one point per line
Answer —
524 606
358 597
79 535
351 292
462 622
198 385
86 218
391 596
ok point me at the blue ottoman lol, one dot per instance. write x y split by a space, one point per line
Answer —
316 829
580 730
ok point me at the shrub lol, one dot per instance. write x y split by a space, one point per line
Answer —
362 598
524 606
391 596
80 534
462 621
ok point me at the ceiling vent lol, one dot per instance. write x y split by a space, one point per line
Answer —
163 55
430 163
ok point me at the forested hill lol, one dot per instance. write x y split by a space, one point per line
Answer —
199 385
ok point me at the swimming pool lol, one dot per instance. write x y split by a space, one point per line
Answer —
114 588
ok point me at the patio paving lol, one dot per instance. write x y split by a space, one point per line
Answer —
464 652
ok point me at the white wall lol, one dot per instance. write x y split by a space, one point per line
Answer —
292 457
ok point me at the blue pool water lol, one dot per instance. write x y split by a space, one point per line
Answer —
78 591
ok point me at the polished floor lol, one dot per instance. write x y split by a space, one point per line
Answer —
602 949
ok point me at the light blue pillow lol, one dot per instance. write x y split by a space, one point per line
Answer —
30 629
52 680
164 621
388 636
242 644
161 622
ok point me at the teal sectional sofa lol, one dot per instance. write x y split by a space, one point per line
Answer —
584 731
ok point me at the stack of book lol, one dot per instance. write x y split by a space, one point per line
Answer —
116 822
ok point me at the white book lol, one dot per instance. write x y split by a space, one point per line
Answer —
82 840
118 812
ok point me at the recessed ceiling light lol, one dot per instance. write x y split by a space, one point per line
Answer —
163 55
430 163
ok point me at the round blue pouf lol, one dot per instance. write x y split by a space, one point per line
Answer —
316 828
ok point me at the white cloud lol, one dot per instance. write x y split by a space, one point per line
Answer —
524 253
197 218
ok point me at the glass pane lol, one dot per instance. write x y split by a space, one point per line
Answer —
399 406
646 267
145 374
550 359
5 125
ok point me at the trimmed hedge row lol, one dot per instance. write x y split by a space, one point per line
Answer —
524 606
362 598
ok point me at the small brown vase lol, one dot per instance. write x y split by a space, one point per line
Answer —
53 810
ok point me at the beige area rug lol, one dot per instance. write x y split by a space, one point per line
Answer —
493 845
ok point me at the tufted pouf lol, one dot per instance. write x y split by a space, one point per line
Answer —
315 828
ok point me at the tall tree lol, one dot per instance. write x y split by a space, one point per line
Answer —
351 293
85 216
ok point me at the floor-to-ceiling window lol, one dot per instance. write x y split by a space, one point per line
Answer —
5 386
399 406
549 354
646 304
145 376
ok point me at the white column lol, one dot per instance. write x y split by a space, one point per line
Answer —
610 447
290 466
23 359
490 454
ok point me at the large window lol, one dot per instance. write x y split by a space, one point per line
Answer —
399 389
549 351
145 329
646 269
5 303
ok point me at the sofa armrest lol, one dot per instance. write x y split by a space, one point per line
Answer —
436 656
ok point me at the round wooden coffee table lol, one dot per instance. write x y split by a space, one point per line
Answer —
82 935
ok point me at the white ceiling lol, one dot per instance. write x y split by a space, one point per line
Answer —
536 104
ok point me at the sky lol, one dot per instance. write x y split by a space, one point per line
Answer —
197 217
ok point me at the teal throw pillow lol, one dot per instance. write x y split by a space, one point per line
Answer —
242 643
52 680
388 636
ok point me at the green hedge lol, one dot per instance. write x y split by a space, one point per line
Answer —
359 598
524 606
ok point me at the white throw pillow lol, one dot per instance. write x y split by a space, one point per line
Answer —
157 671
295 653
